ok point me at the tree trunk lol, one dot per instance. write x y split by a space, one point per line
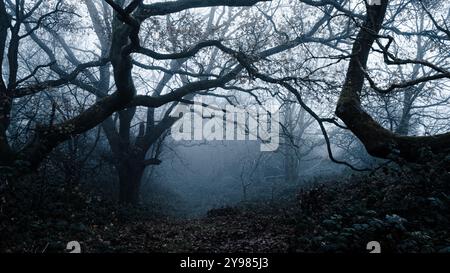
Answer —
379 142
130 176
291 166
405 119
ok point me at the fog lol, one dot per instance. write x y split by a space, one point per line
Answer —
176 110
196 177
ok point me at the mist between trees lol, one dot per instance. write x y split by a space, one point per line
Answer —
88 90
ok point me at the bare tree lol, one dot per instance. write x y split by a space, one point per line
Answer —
124 42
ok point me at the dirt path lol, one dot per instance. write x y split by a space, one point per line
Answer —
236 233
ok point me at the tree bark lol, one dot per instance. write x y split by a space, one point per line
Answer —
130 176
6 153
378 141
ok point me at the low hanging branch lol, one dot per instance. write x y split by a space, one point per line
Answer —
319 120
378 141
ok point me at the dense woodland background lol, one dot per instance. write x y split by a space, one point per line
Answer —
87 88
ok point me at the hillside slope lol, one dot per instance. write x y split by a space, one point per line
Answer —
406 210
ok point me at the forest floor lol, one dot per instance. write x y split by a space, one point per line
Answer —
406 210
